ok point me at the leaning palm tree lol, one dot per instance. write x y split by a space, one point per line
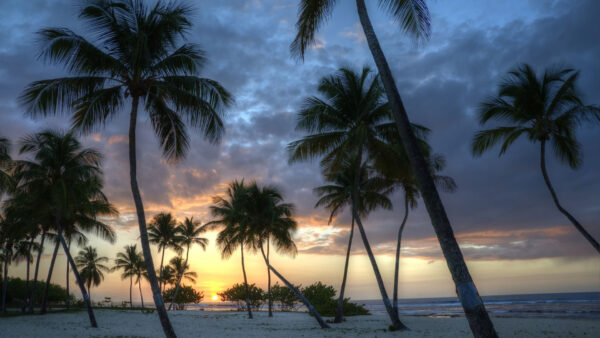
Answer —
64 184
348 121
163 232
132 52
189 231
546 109
337 194
414 18
126 261
269 219
91 266
230 216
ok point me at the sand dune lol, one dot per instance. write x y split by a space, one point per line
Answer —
234 324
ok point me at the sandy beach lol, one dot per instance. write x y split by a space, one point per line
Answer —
232 324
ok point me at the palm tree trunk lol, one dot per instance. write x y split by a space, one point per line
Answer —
139 207
130 292
397 267
577 225
84 294
141 296
67 278
187 254
479 320
27 287
339 313
297 292
246 283
44 307
35 274
160 272
396 323
5 280
269 278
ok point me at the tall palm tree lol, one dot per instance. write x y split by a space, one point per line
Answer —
414 18
12 234
126 261
230 214
546 109
269 219
91 266
64 183
163 232
348 121
134 54
336 195
189 231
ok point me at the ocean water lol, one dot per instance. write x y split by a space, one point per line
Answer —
582 305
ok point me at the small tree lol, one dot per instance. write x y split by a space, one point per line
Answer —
322 297
237 294
186 295
285 297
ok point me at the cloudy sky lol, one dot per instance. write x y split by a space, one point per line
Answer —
514 239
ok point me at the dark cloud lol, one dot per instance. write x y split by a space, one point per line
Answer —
502 209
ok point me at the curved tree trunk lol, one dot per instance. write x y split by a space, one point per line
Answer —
576 224
78 278
5 281
27 286
479 320
246 282
130 292
269 278
141 296
297 292
67 302
44 306
339 314
139 207
35 274
397 267
396 323
160 272
187 254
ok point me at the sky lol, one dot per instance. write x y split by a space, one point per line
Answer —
512 236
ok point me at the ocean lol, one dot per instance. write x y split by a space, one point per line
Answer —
581 305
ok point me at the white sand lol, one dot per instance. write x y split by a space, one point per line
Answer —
236 324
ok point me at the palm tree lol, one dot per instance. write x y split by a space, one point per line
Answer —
336 195
230 214
126 261
180 268
139 271
92 267
5 160
163 232
65 186
414 18
269 219
348 122
134 55
546 109
189 231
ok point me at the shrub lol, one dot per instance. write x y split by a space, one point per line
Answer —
16 292
186 295
237 294
322 297
284 297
